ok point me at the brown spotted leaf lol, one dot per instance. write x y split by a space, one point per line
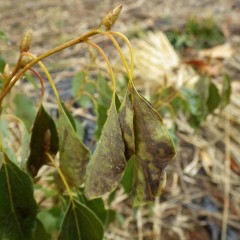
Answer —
74 155
106 168
154 150
44 139
126 122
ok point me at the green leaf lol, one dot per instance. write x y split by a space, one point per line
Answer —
77 83
31 80
17 205
40 232
97 206
69 116
202 87
214 98
154 150
126 123
101 119
226 91
74 155
51 219
193 100
107 165
24 109
80 83
80 223
193 105
44 139
2 63
79 128
3 36
7 137
104 90
128 177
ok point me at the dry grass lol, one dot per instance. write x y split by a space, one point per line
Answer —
203 187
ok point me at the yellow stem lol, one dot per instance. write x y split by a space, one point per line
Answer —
129 47
120 53
51 82
42 66
68 190
20 73
108 64
62 177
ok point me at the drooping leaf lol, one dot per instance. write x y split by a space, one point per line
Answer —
24 109
80 223
226 91
108 162
74 155
214 98
17 205
126 123
101 119
44 139
154 149
40 232
69 116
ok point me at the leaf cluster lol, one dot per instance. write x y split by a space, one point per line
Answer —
131 135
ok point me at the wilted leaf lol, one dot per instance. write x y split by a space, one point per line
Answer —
154 149
101 118
80 223
108 162
214 98
226 91
69 116
17 205
44 139
74 155
24 109
126 123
